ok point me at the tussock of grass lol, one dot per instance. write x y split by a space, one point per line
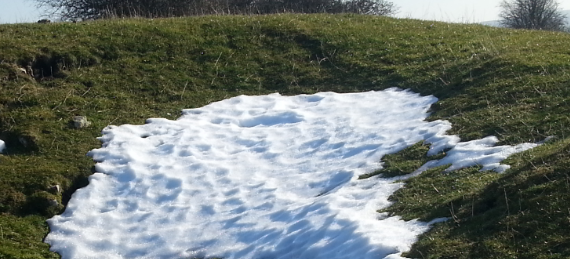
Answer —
490 81
404 162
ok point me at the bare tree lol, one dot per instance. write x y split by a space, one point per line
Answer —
96 9
373 7
532 14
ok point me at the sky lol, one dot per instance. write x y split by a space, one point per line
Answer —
468 11
266 176
465 11
18 11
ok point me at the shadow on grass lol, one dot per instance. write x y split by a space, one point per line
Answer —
19 143
506 218
78 182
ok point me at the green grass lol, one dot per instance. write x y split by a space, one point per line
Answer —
404 162
520 214
513 84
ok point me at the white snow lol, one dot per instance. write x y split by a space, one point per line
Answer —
481 152
259 177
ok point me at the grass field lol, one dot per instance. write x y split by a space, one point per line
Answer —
513 84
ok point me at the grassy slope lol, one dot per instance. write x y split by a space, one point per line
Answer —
490 81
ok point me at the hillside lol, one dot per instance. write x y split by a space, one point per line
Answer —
490 81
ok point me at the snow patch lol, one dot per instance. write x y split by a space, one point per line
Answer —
259 177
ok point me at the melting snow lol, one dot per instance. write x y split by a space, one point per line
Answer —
259 177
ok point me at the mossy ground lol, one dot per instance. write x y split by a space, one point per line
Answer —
513 84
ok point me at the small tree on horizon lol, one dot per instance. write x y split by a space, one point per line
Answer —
532 14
